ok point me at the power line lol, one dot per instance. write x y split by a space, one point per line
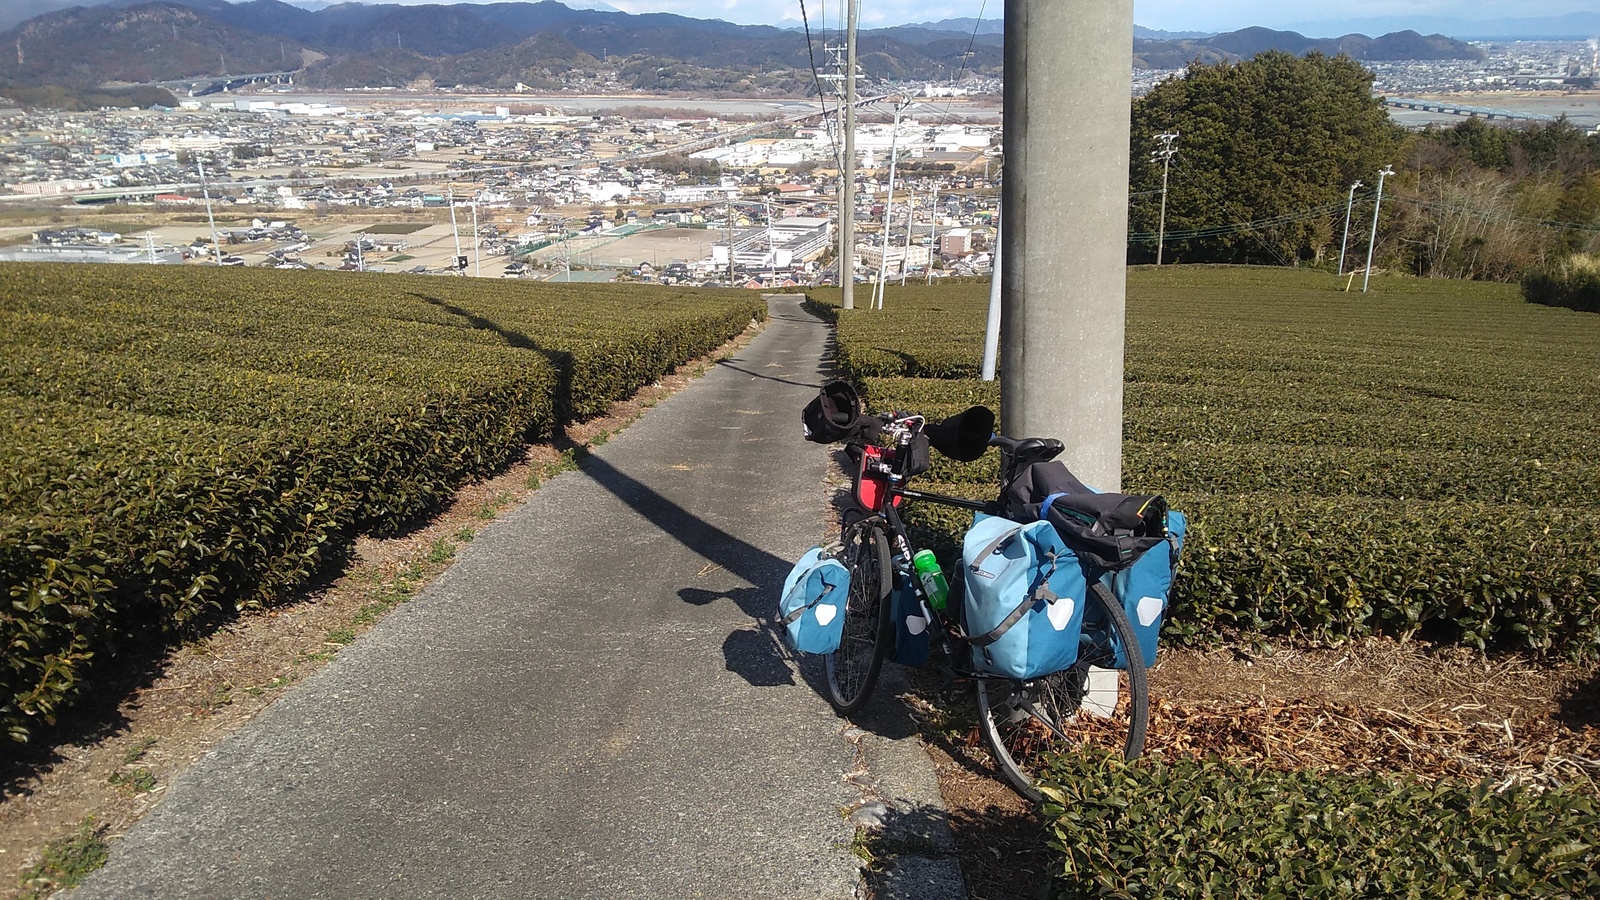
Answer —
1495 214
1238 227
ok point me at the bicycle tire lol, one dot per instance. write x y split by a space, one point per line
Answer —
852 670
1016 716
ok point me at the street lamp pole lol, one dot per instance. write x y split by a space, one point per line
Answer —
1382 173
1349 202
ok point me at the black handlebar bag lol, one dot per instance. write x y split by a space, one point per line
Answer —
833 414
1109 532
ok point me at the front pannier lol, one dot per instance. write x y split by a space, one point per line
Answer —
813 602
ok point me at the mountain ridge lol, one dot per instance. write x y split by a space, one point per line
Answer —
550 45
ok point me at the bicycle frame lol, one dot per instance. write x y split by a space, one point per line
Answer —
879 488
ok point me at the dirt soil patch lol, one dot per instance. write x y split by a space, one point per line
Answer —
103 768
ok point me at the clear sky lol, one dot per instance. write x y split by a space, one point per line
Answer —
1167 15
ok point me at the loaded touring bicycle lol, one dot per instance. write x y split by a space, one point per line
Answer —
1051 612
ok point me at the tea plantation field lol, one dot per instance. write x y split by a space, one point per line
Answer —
174 441
1420 459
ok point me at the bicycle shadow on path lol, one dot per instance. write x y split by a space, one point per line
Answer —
758 654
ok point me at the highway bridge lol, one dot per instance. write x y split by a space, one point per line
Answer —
201 85
1456 109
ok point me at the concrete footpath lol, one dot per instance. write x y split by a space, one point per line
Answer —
591 702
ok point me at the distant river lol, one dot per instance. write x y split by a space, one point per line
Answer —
1583 109
576 105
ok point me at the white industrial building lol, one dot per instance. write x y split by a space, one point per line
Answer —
700 193
873 256
77 254
785 243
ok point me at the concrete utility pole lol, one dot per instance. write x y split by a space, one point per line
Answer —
1065 214
1348 203
911 212
1373 240
459 263
1165 154
847 173
205 191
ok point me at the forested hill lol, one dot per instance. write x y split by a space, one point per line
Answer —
1248 42
544 45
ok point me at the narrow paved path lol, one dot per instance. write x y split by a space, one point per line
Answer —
591 702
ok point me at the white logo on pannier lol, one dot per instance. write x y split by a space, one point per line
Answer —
1149 609
1060 613
916 624
826 612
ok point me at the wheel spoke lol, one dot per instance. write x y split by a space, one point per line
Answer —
853 668
1088 705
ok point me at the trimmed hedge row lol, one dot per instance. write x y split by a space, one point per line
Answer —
1423 464
1205 828
1572 286
180 441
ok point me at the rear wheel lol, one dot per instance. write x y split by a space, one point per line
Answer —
868 627
1092 704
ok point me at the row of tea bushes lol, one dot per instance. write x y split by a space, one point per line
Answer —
1205 828
1418 460
174 442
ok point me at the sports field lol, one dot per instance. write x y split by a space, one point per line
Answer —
656 247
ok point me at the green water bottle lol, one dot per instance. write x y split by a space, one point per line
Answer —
933 583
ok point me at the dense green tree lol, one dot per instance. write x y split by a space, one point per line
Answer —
1558 147
1274 142
1476 141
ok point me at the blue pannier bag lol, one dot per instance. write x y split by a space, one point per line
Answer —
1143 587
1128 542
812 606
1024 598
910 627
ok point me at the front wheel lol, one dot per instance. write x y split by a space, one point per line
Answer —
868 626
1093 704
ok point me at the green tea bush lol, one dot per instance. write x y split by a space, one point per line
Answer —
174 442
1417 463
1205 828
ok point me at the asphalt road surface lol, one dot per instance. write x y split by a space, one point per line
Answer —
591 702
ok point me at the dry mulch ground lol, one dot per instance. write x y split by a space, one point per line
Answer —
1373 705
